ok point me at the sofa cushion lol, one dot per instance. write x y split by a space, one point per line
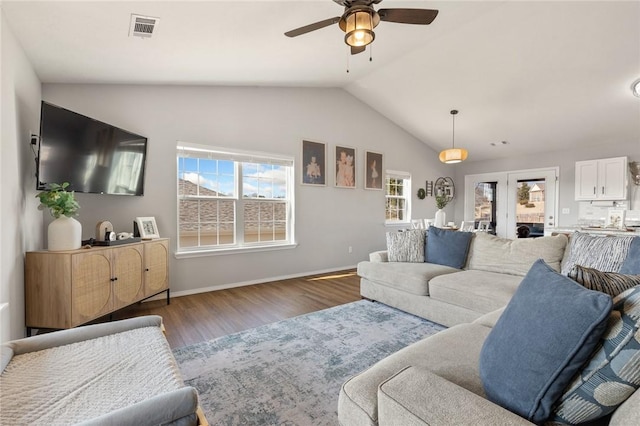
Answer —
479 291
410 277
451 354
546 333
416 396
493 254
602 252
613 373
406 246
611 283
631 264
446 247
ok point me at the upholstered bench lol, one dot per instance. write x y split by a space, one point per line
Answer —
115 373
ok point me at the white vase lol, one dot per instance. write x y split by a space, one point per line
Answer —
64 233
441 219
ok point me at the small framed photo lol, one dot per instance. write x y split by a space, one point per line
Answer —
345 172
314 164
615 219
146 227
373 170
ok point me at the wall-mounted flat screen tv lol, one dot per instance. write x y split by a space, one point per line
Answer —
93 156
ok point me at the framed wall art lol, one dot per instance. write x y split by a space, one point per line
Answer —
314 163
373 170
146 227
345 171
615 218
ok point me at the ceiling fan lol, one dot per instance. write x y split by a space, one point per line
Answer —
360 18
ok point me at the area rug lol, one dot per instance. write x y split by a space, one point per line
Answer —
290 372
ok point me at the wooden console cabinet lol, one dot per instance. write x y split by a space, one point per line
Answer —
67 288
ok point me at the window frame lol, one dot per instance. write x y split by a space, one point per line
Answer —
238 157
406 177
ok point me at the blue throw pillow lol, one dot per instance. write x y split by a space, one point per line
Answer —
546 333
446 247
631 264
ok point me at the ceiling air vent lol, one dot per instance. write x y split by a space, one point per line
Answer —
143 26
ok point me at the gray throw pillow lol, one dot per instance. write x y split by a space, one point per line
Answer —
611 283
406 246
631 264
613 372
446 247
601 252
546 333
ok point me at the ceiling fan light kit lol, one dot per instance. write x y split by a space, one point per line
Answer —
453 155
358 26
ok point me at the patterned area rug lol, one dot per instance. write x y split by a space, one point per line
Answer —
290 372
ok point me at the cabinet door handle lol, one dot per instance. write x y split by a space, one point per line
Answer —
594 190
603 190
114 279
146 269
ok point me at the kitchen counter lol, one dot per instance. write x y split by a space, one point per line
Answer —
592 230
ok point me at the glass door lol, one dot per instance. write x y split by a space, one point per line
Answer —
531 203
485 206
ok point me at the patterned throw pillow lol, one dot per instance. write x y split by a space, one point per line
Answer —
601 252
613 373
607 282
406 246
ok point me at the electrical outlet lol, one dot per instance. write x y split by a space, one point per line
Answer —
350 249
565 210
34 139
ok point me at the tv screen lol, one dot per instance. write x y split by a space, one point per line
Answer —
93 156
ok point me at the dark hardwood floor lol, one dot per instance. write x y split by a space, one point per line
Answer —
205 316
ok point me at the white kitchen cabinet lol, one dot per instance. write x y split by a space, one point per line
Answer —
604 179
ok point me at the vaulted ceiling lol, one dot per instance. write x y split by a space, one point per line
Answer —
539 75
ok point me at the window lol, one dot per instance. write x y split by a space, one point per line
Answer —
232 200
398 196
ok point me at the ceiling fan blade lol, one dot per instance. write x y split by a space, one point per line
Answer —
357 49
312 27
408 16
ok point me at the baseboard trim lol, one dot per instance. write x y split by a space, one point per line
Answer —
247 283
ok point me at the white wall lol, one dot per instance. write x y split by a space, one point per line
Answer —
21 221
565 160
328 219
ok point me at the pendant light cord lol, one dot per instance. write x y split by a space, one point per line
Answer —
453 137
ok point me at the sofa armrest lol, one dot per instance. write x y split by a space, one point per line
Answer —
416 396
79 334
379 256
180 404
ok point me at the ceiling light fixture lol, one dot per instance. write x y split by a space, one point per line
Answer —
453 154
635 88
358 24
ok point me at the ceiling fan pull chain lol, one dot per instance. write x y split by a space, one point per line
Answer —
370 53
348 55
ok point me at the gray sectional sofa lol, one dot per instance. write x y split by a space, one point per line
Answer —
437 381
451 296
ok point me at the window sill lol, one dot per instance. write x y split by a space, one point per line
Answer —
235 250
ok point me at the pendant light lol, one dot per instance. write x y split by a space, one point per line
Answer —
453 154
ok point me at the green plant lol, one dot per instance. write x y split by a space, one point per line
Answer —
58 200
441 201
